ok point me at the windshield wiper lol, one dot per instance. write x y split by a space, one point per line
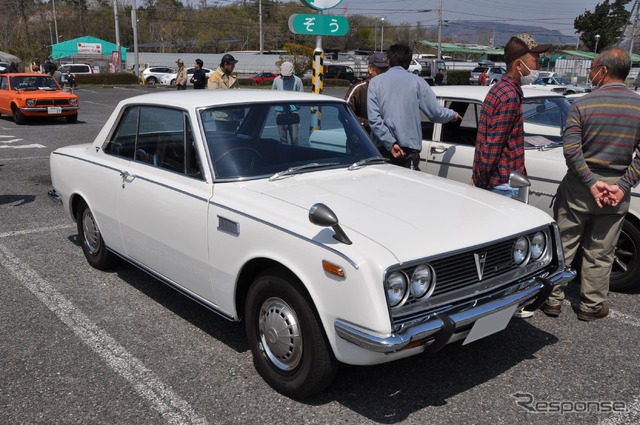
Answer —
293 170
363 162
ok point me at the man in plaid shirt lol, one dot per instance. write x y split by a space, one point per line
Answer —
500 141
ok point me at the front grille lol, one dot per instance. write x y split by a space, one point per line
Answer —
458 271
52 102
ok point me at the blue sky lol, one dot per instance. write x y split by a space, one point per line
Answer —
552 14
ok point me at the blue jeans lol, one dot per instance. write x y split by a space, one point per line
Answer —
511 193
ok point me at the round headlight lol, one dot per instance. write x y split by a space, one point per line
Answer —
396 286
421 280
31 102
538 245
520 250
72 101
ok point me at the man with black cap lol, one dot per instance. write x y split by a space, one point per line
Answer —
500 140
357 95
199 77
223 77
181 77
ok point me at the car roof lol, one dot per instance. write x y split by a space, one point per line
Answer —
480 92
205 98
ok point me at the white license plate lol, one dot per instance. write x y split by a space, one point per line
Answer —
54 110
490 324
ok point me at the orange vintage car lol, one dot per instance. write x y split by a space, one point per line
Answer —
35 95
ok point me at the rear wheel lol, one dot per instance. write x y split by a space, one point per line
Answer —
625 273
18 116
91 240
289 348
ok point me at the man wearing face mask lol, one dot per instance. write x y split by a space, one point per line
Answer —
600 140
500 140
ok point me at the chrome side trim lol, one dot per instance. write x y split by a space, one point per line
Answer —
425 329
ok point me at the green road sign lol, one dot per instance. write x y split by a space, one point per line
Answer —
318 24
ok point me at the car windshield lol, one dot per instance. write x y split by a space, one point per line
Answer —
265 139
561 81
544 120
33 82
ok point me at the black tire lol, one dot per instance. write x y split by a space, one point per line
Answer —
173 82
91 240
72 119
152 81
18 116
289 347
625 273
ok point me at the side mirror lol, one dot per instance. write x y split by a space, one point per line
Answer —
321 215
518 181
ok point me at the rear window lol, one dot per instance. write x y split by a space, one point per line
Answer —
478 69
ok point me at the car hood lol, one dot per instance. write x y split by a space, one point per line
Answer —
412 214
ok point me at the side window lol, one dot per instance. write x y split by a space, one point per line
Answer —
4 84
462 132
161 138
123 140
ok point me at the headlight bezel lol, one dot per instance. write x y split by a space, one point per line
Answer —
30 103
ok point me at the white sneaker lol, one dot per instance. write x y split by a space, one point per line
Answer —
521 313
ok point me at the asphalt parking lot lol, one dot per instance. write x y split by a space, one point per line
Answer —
81 346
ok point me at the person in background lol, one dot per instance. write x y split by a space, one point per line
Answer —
439 78
199 77
601 143
395 100
181 77
483 78
636 82
357 95
290 82
223 77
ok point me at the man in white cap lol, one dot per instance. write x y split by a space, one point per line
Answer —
181 78
287 81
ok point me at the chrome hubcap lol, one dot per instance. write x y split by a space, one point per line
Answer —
280 335
91 232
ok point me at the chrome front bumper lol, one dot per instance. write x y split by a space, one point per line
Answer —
437 329
44 108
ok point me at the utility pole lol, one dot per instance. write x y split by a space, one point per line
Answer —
134 22
633 28
260 16
115 13
440 30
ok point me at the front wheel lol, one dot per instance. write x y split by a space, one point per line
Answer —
91 240
72 119
152 81
18 116
289 348
625 273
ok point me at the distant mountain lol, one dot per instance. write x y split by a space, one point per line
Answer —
481 32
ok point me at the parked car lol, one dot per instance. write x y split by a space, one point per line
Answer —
263 77
495 74
294 239
558 84
415 67
25 96
170 79
448 151
154 74
340 72
75 69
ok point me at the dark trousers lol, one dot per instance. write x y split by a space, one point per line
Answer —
411 159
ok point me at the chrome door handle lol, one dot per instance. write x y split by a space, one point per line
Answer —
438 150
126 176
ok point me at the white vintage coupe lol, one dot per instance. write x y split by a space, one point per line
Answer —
276 209
448 149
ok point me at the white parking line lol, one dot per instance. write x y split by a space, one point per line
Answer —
160 396
97 103
37 230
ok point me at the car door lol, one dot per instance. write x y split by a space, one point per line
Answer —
164 198
5 95
450 151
